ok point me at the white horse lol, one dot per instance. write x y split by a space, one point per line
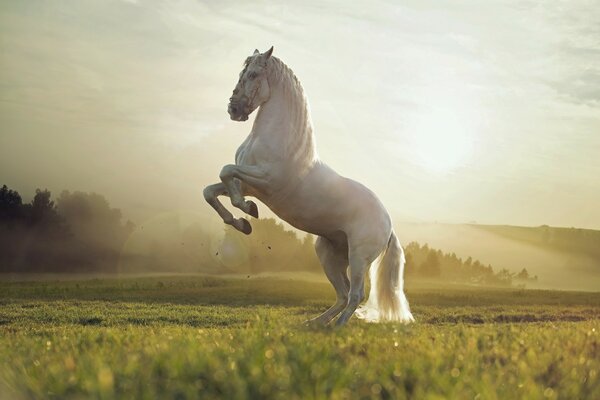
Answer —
278 164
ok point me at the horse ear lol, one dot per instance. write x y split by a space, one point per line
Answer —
268 53
255 52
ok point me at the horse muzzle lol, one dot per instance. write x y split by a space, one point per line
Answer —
237 112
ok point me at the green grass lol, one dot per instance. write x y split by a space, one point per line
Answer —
206 337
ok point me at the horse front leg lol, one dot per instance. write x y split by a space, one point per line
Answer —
253 176
211 195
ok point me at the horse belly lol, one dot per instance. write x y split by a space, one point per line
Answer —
325 204
311 221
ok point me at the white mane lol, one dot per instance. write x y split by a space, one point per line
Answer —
300 145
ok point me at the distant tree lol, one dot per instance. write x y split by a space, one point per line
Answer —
44 236
33 237
409 267
10 205
42 211
41 203
92 220
523 275
11 220
504 277
431 266
41 215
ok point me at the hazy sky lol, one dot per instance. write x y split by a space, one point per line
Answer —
450 111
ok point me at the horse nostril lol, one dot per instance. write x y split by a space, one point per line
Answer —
234 109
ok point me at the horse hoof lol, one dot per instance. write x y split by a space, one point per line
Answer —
252 209
245 226
341 321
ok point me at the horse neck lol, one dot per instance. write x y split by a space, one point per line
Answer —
285 117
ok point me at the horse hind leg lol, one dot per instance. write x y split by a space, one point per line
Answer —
361 258
335 263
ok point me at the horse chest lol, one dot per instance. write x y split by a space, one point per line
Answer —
256 151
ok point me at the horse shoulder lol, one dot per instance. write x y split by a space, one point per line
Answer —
242 151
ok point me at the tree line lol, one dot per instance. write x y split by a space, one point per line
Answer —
81 232
425 262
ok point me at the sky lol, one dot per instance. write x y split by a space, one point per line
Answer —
450 111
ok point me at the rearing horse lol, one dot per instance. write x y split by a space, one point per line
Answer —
278 164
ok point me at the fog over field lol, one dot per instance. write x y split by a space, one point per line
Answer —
450 113
556 269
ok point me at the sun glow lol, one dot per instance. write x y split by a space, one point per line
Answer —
442 140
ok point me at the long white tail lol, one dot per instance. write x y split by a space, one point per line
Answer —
387 301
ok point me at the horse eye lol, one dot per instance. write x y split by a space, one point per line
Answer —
252 75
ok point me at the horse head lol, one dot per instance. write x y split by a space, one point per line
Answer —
252 88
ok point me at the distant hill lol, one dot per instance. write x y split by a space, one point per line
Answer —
563 258
572 240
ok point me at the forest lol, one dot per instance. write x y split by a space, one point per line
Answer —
80 232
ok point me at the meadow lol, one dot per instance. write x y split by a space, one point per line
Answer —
185 337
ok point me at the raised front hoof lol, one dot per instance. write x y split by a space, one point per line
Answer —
252 208
243 226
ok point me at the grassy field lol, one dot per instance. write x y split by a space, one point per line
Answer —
205 337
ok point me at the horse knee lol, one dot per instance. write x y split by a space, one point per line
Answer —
208 194
226 172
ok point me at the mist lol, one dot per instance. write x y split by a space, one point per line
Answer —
556 269
450 114
461 113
